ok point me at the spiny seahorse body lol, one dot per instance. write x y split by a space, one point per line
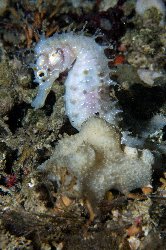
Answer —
87 83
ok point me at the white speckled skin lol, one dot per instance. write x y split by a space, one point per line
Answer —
86 86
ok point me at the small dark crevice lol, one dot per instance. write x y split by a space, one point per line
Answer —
42 155
140 102
2 182
16 115
33 84
10 158
44 190
68 128
164 133
49 103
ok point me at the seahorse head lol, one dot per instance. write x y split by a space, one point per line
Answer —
52 56
48 65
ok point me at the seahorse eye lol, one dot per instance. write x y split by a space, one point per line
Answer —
42 74
56 56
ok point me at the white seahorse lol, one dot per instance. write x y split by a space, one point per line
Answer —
87 83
